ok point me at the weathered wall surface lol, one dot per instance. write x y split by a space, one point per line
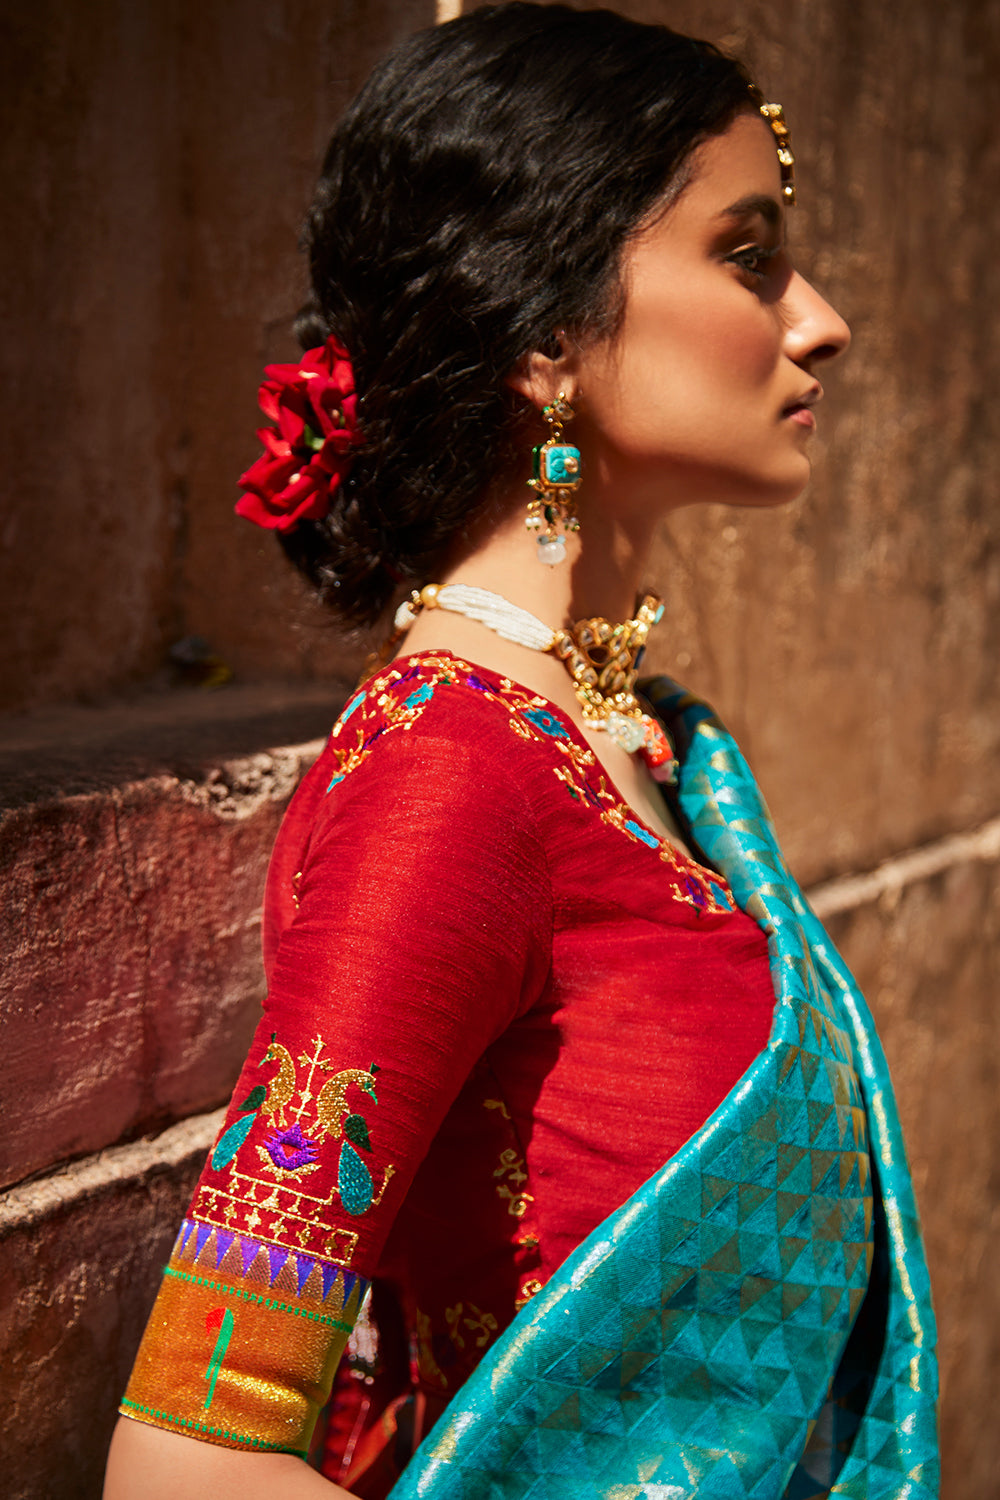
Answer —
158 160
922 935
133 981
80 1253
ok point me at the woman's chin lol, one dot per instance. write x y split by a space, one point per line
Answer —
770 493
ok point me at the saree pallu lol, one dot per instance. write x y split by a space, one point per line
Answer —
756 1320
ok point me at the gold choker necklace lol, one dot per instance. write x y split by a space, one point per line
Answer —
602 659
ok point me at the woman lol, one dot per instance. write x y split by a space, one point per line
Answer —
552 1044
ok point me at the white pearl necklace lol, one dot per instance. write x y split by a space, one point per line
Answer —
492 610
614 709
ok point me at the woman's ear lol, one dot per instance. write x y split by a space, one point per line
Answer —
540 378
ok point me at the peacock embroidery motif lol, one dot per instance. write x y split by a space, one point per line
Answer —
299 1116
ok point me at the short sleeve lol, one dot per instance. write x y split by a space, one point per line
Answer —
422 930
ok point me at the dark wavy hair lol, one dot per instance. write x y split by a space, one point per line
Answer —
475 198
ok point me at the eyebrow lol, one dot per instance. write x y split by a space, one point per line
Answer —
769 209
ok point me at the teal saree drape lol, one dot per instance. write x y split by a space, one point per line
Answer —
756 1320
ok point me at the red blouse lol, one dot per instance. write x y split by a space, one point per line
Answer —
497 1003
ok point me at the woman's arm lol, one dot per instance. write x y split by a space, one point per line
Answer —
397 965
146 1463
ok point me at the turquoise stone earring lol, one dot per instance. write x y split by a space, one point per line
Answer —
555 476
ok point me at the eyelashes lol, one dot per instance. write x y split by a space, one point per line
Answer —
753 260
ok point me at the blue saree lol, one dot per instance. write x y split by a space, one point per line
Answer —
756 1320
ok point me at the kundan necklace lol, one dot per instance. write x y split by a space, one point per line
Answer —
601 658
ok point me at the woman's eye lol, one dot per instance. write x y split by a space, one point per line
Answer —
753 260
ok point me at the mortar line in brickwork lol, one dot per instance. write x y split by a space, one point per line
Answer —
29 1202
888 880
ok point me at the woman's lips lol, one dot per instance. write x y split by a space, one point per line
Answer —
800 411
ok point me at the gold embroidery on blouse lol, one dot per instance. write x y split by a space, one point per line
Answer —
512 1167
529 1289
301 1109
399 695
484 1324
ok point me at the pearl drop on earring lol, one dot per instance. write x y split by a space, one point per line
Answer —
550 550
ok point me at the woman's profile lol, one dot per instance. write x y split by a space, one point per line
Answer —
565 1152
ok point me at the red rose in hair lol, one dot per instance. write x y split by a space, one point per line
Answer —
309 449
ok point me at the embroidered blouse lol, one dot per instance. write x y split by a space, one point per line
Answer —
497 1002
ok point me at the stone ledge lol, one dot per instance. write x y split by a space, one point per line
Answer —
30 1203
54 753
134 849
79 1280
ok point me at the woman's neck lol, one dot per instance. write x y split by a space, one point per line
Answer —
602 574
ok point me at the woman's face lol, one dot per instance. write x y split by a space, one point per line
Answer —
706 391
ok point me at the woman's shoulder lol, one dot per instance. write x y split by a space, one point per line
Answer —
421 782
421 706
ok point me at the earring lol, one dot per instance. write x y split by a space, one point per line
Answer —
556 474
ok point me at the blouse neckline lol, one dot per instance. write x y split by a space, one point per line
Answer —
681 856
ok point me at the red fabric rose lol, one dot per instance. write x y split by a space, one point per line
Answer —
309 449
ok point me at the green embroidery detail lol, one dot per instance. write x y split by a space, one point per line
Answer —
354 1181
222 1432
231 1140
223 1320
268 1302
356 1130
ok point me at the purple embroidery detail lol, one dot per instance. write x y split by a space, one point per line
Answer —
186 1227
303 1269
408 675
289 1149
546 722
200 1238
350 1277
248 1252
695 891
477 682
375 735
277 1259
223 1239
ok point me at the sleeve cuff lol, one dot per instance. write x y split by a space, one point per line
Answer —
243 1341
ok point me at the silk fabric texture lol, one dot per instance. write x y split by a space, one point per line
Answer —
756 1320
496 1004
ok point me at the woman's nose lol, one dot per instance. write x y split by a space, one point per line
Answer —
815 330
